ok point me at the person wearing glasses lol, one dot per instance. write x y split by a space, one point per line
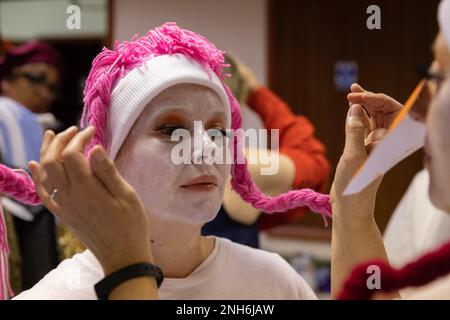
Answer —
416 226
413 258
29 83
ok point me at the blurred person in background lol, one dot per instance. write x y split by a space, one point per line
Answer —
416 226
357 243
30 76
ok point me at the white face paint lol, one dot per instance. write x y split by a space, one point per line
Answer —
145 161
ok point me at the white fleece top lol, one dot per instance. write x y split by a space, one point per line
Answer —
232 271
416 226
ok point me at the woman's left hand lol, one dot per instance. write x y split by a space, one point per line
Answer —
92 199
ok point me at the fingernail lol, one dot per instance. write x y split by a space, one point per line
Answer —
355 122
356 111
49 132
99 155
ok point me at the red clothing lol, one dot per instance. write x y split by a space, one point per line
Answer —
420 272
296 141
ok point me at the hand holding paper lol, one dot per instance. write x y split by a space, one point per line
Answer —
381 110
405 132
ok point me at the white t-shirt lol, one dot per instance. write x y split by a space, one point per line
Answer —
231 271
416 226
439 289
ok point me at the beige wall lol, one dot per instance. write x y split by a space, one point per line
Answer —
237 26
46 19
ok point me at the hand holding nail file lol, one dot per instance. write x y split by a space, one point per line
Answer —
405 136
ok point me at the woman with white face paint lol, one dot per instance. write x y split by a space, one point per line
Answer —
131 201
170 189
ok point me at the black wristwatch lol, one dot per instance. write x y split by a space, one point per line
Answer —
105 286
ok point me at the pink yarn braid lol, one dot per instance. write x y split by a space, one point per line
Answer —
4 251
18 185
243 184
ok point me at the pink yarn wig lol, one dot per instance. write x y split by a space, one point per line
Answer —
168 39
110 65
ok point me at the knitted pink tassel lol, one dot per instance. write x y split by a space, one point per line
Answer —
4 251
17 184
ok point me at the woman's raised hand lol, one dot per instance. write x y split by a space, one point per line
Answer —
90 196
381 110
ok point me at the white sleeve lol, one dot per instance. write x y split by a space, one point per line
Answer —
302 289
399 236
73 279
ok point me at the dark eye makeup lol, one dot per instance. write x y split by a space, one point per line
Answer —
170 129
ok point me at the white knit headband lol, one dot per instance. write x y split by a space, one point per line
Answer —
142 84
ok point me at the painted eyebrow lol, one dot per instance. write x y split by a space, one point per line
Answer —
163 109
220 114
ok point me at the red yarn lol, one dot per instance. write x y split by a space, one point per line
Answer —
417 273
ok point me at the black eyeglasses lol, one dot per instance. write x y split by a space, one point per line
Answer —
39 79
436 77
